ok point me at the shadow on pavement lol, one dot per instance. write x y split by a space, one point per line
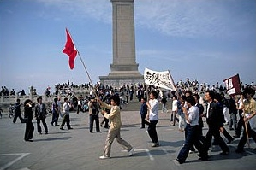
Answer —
51 139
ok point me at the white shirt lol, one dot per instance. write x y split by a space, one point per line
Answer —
174 105
65 108
153 112
207 111
193 116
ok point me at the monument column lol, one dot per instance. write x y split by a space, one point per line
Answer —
123 36
124 68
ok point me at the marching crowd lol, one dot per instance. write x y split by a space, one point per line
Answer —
188 109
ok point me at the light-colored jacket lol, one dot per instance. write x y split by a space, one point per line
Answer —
114 116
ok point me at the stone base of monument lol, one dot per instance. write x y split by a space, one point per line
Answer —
119 78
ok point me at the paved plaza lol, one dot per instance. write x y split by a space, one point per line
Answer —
79 149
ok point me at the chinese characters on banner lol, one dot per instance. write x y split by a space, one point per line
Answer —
233 85
160 79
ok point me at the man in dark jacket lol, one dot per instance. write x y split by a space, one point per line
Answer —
40 113
214 119
17 110
143 111
28 116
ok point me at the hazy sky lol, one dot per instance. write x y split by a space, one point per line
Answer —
208 40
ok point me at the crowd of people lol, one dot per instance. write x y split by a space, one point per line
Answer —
188 109
6 92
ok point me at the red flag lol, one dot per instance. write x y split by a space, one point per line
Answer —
70 50
233 85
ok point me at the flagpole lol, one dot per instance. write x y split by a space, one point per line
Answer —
82 63
88 75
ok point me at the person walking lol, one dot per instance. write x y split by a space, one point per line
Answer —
192 130
164 101
28 117
17 110
249 111
240 122
79 104
40 113
232 113
143 112
152 117
201 115
214 119
66 107
218 100
59 106
93 112
115 127
55 112
174 110
181 117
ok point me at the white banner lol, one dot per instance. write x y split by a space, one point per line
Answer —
160 79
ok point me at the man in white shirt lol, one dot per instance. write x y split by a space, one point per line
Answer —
65 114
192 130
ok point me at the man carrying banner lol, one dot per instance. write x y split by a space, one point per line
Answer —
249 110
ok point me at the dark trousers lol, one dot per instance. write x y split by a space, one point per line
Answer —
39 129
105 122
243 140
152 131
55 117
78 108
192 138
143 117
29 131
214 131
65 119
17 115
96 118
226 134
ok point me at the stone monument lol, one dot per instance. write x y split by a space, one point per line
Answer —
124 69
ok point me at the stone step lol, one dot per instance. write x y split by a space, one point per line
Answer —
131 106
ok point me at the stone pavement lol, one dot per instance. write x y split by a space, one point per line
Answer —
79 149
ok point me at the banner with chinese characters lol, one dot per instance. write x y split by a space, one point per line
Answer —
233 85
160 79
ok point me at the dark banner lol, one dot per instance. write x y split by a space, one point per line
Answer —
233 85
